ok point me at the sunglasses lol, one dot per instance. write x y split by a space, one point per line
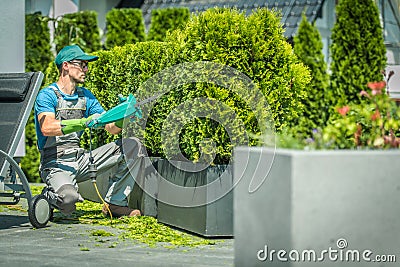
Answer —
81 64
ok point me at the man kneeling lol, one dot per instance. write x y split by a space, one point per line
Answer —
62 111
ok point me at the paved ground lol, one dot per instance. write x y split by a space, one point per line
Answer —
64 244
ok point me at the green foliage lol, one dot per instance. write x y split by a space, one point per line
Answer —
252 45
137 63
358 51
164 20
51 74
37 40
371 124
79 28
308 47
37 57
124 26
31 161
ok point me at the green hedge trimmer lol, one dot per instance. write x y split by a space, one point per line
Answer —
128 107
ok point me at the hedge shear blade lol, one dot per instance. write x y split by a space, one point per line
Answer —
147 100
128 107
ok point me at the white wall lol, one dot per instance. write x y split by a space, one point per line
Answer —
61 7
42 6
12 44
12 36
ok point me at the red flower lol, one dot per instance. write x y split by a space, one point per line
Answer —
376 115
343 110
376 85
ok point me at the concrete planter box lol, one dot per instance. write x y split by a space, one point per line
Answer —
195 205
346 203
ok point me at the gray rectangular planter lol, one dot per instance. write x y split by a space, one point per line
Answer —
196 208
346 203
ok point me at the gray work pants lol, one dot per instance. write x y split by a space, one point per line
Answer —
120 163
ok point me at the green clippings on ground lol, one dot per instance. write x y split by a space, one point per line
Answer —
16 207
101 232
147 230
143 229
113 245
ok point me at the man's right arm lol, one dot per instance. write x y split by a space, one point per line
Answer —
49 125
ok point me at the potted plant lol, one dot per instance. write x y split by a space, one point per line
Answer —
339 193
332 198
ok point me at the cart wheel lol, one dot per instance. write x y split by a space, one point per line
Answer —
40 211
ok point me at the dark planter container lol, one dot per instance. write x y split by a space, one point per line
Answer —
197 201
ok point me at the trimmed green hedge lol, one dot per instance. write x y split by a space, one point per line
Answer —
252 45
79 28
255 46
167 19
124 26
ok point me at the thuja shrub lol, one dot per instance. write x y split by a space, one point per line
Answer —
37 57
167 19
358 50
256 47
79 28
318 105
124 26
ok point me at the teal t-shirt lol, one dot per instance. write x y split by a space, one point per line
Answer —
46 101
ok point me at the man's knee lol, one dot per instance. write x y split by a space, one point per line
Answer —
67 197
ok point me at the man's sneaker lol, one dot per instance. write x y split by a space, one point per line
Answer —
118 211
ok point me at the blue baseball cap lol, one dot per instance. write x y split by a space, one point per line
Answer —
72 52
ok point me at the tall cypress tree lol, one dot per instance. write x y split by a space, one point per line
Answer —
358 50
124 26
166 19
308 47
79 28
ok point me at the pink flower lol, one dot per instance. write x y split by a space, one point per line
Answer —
364 93
343 110
376 92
